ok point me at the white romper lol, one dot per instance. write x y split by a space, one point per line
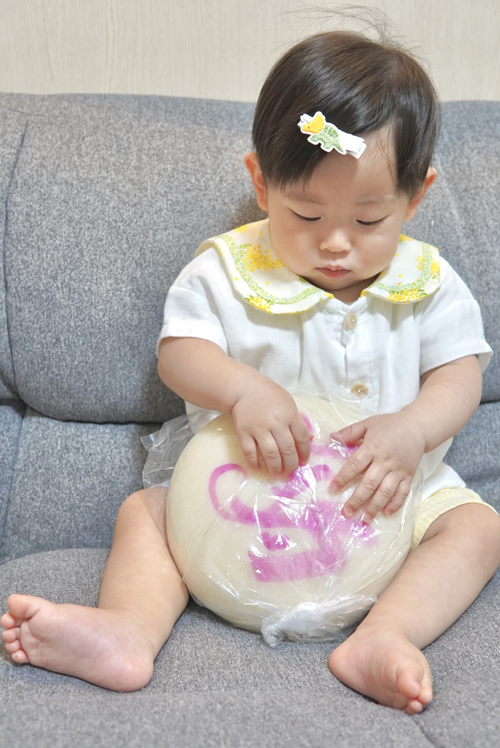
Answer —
417 315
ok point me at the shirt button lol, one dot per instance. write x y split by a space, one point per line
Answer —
351 321
360 389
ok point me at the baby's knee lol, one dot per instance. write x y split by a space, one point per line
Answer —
143 508
478 525
135 502
137 498
138 506
469 518
492 540
492 533
482 519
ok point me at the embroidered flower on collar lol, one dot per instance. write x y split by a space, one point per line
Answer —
258 274
261 278
413 274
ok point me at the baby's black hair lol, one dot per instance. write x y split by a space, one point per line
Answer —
360 85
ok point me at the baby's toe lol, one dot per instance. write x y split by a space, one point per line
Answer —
10 635
425 696
14 646
20 657
409 681
417 689
7 621
23 606
414 707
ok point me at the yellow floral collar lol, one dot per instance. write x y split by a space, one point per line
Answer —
262 280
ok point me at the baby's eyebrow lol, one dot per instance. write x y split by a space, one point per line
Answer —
376 200
368 200
299 197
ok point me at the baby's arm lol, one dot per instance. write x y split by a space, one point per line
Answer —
267 422
393 444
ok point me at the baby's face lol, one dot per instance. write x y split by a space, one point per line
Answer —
341 229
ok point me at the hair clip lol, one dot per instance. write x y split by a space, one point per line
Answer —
329 136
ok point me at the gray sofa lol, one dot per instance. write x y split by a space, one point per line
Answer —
103 199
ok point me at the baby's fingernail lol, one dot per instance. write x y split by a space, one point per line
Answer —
334 486
367 518
348 511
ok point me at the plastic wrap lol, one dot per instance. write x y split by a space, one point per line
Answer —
275 555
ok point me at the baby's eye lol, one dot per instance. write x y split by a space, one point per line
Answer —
370 223
305 218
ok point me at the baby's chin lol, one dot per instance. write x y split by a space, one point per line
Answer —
341 285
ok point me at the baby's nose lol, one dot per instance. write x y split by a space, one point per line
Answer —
336 241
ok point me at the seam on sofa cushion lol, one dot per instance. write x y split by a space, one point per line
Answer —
432 741
20 408
4 263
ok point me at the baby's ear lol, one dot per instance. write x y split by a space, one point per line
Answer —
252 163
417 199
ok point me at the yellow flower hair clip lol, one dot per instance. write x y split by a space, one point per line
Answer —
329 136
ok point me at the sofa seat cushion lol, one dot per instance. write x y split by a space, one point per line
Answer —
215 685
65 481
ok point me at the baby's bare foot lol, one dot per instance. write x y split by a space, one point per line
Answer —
104 647
385 665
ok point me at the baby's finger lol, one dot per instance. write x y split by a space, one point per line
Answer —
351 434
382 497
262 462
364 492
288 451
271 454
354 466
302 439
250 451
399 498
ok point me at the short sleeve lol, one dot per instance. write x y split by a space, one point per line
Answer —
451 325
192 307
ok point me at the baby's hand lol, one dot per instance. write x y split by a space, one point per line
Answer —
386 462
271 432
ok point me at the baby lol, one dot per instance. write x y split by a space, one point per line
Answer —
344 135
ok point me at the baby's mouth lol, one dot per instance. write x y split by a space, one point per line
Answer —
333 272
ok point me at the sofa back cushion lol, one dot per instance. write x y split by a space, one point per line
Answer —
107 197
12 129
460 213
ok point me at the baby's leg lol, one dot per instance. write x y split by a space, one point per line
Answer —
115 644
459 553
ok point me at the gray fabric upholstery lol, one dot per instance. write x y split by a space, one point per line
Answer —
108 201
69 482
459 214
474 453
11 422
103 199
215 685
12 131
